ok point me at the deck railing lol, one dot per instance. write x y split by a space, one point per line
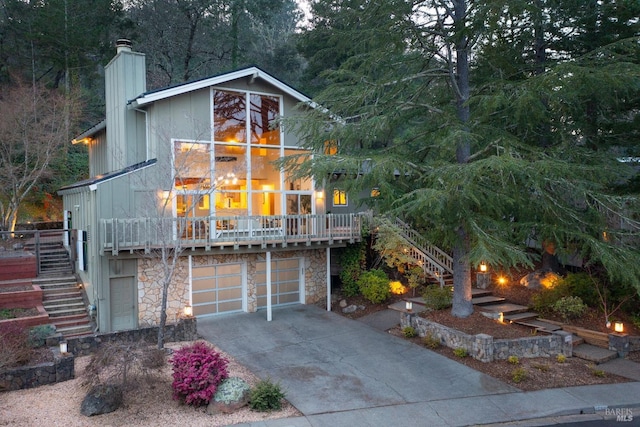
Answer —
129 234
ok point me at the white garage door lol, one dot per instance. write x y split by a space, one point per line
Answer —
285 282
217 289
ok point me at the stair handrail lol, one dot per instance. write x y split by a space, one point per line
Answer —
430 251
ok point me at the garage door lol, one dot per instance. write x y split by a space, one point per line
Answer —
217 289
285 282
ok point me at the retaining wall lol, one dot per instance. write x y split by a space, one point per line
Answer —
484 347
61 369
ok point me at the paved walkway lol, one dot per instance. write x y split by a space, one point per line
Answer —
338 372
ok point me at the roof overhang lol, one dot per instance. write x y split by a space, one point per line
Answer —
252 73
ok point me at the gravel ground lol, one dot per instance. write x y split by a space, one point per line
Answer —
149 404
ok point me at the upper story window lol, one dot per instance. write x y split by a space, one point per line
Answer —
192 165
331 147
238 114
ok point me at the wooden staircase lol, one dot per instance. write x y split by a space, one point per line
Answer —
64 301
436 263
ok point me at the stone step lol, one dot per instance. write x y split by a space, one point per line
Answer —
539 325
515 317
475 292
505 308
53 293
576 340
484 300
71 318
57 286
594 354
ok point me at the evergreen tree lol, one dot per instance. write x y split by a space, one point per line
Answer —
483 153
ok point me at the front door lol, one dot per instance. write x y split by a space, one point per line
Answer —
123 309
298 205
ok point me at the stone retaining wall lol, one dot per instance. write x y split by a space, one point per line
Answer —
61 369
484 347
634 343
184 330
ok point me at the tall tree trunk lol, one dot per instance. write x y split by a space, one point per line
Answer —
462 306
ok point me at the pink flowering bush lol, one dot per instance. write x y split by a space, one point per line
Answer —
197 371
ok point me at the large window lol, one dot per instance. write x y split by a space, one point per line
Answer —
192 165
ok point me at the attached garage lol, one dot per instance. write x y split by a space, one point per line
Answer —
286 282
217 289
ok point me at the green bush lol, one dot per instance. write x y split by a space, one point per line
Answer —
266 396
431 342
569 307
513 360
437 298
461 352
374 286
409 332
584 286
352 259
518 375
39 334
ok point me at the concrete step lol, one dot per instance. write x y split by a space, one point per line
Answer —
594 354
516 317
63 278
73 319
57 286
54 293
59 305
488 299
62 296
74 331
539 325
66 312
78 321
505 308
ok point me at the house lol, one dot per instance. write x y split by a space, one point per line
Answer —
188 170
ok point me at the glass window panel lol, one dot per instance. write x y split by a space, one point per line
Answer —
203 297
264 111
229 269
339 197
229 306
192 165
200 310
301 184
229 116
288 298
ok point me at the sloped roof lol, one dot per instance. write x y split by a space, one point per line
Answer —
252 72
107 176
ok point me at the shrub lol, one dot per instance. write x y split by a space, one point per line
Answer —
569 307
543 367
461 352
352 259
39 334
513 360
14 345
431 342
266 396
518 375
409 332
197 371
561 358
437 298
125 363
598 372
584 286
374 286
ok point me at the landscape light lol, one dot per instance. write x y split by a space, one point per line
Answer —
618 327
409 305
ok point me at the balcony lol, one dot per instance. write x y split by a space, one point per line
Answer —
135 234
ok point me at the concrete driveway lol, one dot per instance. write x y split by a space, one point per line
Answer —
329 364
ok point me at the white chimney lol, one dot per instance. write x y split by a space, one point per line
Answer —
123 45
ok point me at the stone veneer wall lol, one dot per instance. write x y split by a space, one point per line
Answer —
634 343
484 347
150 276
